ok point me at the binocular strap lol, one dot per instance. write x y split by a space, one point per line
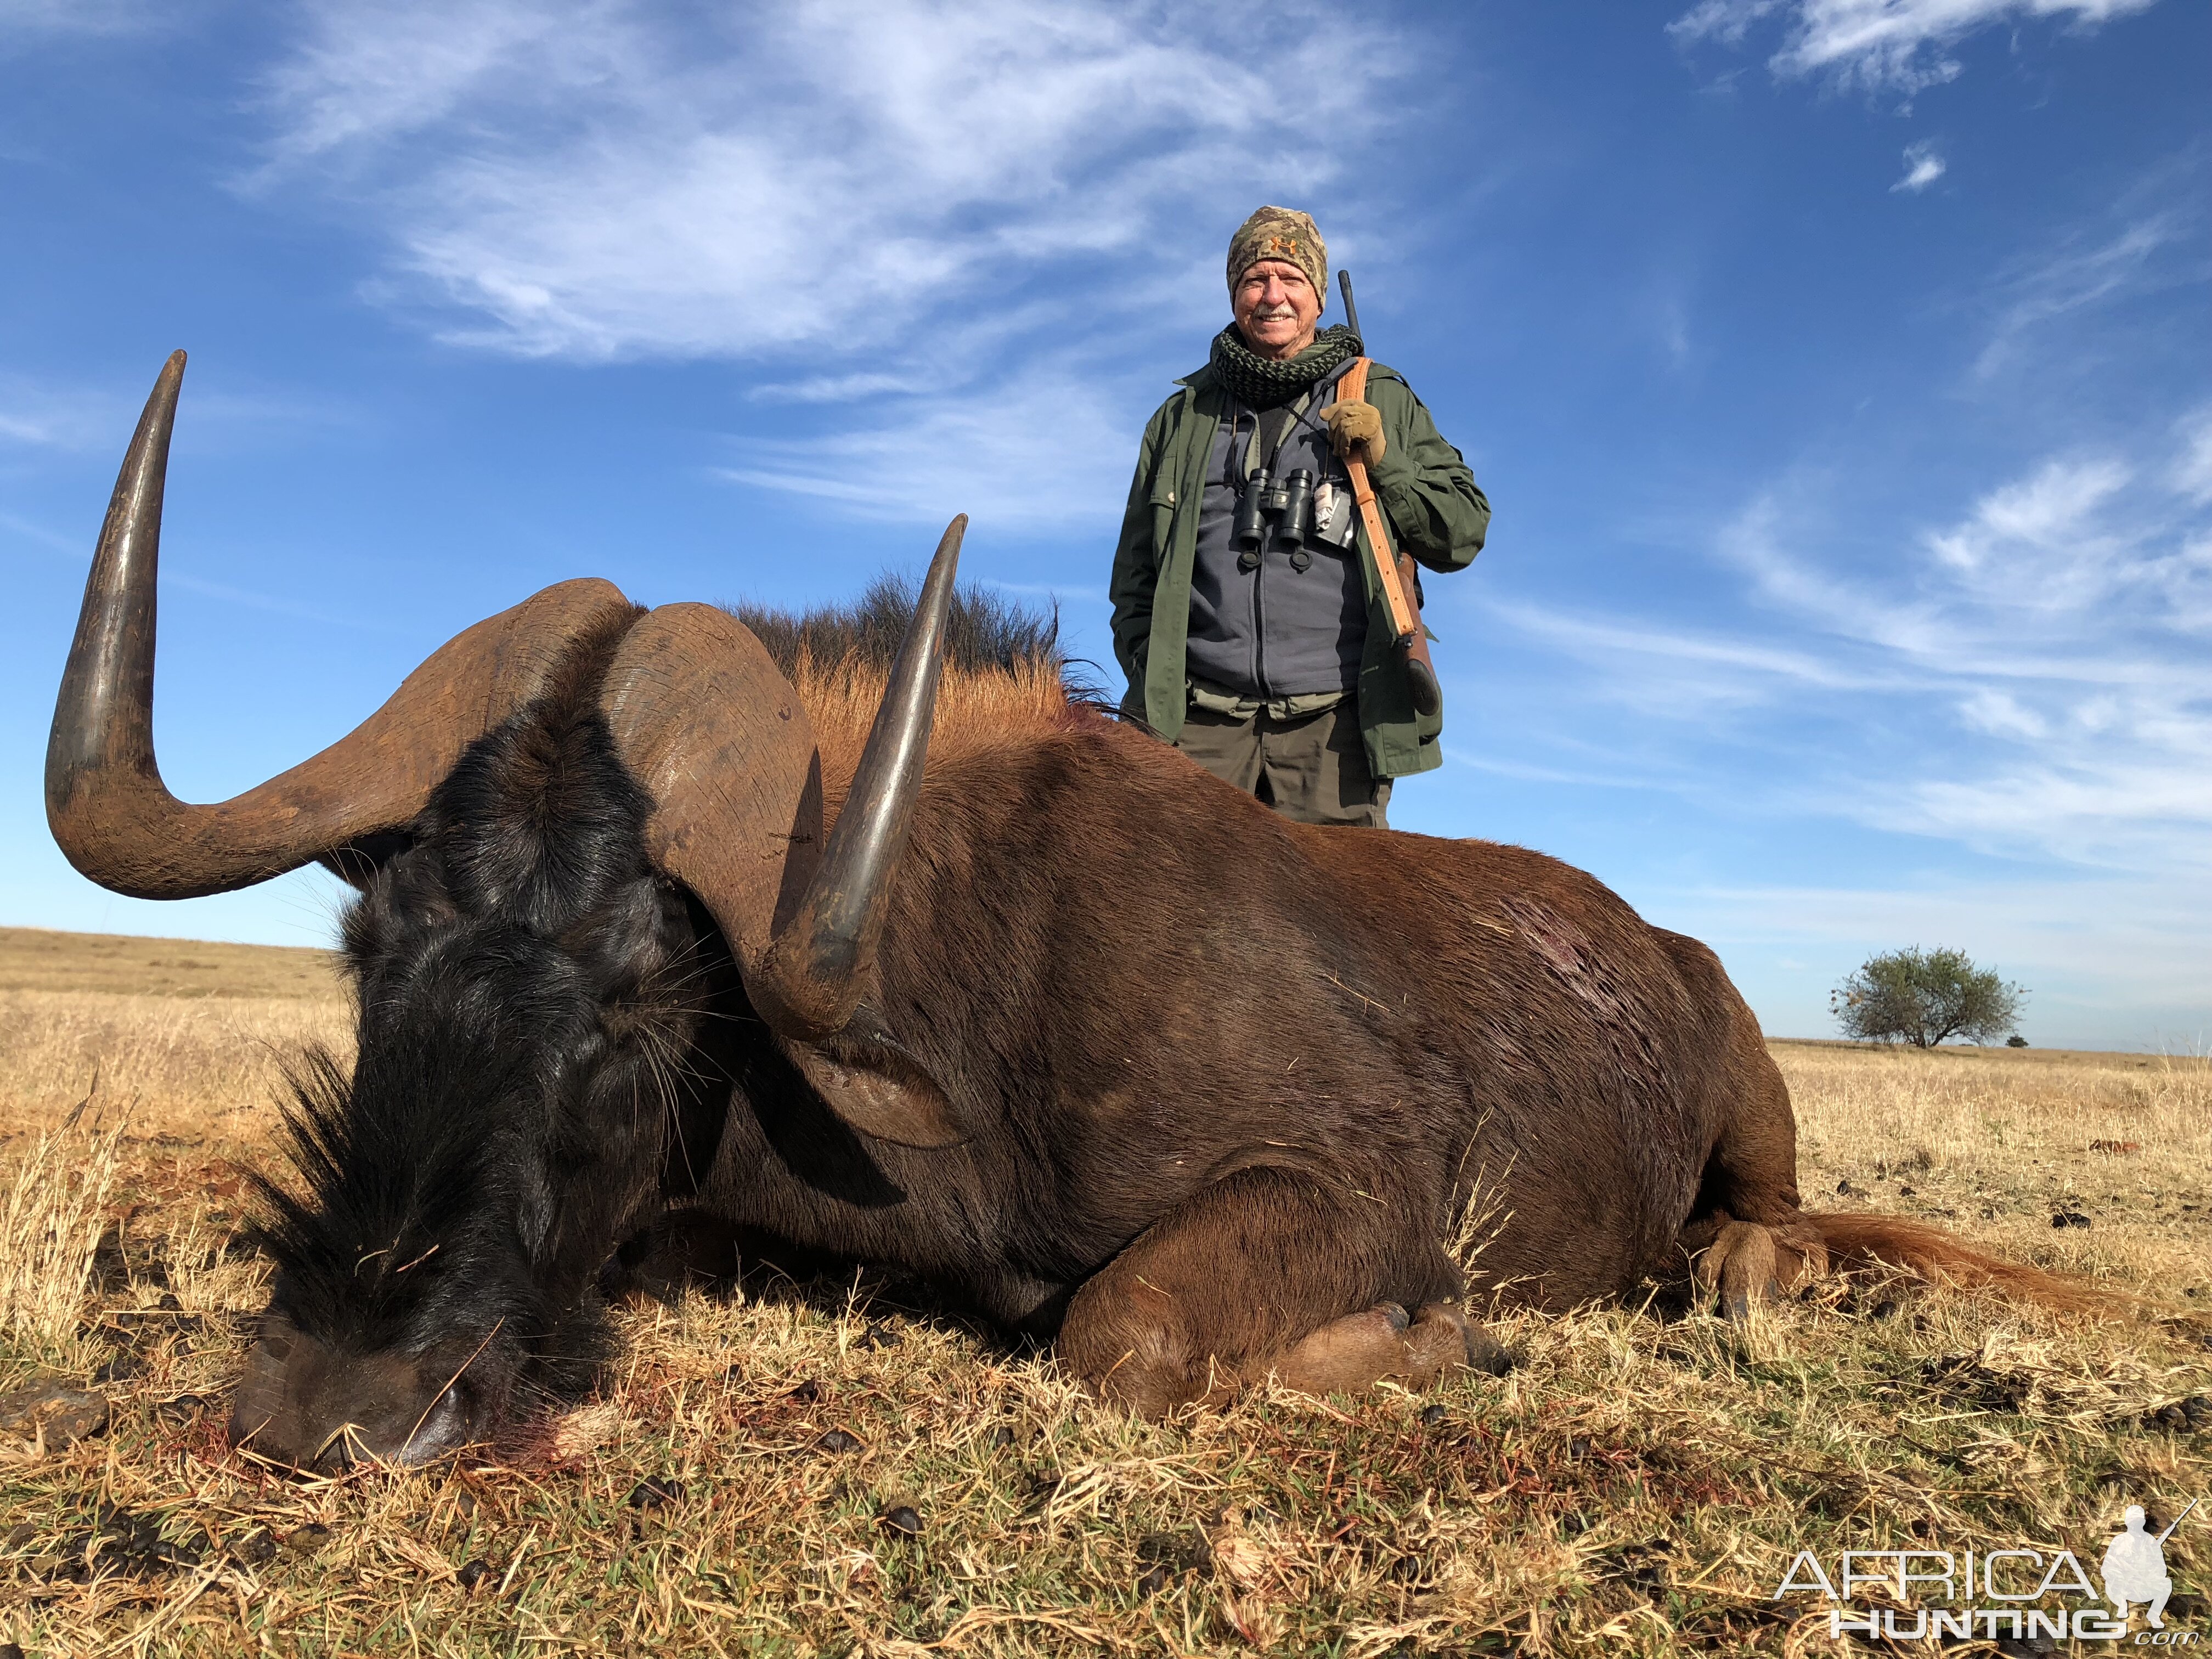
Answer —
1270 427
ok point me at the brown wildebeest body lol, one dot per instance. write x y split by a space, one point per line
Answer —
1275 1057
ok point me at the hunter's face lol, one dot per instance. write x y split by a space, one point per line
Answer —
1276 308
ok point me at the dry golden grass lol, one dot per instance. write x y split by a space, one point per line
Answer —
35 959
50 1220
1638 1485
201 1068
1994 1142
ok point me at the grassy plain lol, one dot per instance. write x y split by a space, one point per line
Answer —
835 1467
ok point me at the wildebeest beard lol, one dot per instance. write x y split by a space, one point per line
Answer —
536 1074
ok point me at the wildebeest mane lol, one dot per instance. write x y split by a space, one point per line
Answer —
1006 676
985 631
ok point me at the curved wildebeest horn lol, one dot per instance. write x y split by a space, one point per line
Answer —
105 802
717 736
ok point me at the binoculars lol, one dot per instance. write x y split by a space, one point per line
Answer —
1287 501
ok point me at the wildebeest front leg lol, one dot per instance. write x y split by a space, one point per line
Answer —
1267 1271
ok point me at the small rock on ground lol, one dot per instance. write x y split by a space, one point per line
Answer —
66 1415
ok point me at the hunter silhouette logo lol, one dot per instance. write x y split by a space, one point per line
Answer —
2134 1565
1999 1595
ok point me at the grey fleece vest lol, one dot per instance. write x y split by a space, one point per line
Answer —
1277 630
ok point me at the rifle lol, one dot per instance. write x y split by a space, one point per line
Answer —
2178 1519
1394 569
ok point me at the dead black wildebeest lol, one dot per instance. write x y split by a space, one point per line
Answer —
1095 1041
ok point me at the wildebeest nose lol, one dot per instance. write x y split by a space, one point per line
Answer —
316 1405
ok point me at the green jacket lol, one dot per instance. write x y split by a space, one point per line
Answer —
1434 508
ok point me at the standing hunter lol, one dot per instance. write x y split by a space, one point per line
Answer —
1247 612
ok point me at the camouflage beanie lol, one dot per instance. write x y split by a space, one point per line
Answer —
1283 233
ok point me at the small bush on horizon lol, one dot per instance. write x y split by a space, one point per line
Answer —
1925 998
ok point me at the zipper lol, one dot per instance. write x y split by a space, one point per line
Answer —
1241 480
1258 590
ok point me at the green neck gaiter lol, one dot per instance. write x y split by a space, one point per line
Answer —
1260 382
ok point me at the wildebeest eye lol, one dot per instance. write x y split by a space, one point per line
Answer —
442 1426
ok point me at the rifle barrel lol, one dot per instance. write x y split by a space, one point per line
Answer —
1351 311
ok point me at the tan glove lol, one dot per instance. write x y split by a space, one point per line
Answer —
1355 426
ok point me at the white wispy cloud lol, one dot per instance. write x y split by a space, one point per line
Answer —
2031 691
2157 242
1898 45
1922 167
1719 669
1043 441
2192 468
31 530
2020 677
2036 541
277 603
75 550
2000 714
588 180
1725 21
2061 619
37 413
42 414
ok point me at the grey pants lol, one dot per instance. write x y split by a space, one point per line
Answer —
1312 769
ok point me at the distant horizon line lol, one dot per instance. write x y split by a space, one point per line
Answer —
1809 1041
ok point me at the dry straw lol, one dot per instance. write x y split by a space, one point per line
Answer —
49 1232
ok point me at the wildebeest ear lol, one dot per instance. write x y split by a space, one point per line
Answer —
896 1101
357 862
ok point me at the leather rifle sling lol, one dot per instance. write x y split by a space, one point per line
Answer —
1392 568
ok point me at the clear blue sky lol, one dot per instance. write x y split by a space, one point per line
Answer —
1839 371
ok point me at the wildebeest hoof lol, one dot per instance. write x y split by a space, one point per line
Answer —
1359 1350
1747 1263
1445 1339
1487 1354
